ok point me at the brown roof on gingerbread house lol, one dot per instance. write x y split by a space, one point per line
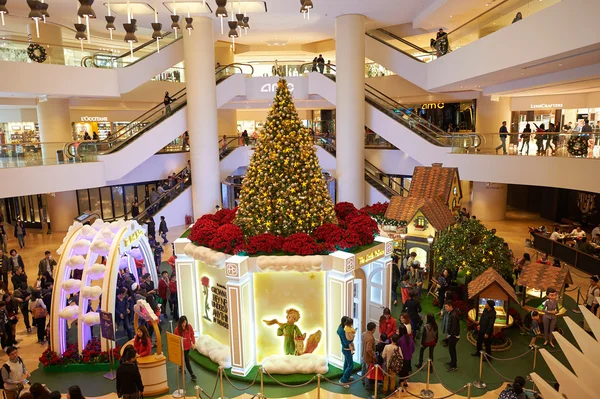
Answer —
542 277
486 279
432 181
434 210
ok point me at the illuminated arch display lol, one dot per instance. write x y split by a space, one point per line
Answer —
120 243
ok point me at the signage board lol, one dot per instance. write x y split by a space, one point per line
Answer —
175 349
94 119
107 325
264 88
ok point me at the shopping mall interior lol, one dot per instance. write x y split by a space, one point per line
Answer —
178 216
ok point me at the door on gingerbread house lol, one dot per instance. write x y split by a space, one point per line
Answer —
376 291
357 304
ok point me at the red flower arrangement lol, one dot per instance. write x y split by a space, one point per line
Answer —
91 354
355 227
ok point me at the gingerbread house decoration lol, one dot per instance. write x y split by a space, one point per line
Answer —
491 285
537 278
437 181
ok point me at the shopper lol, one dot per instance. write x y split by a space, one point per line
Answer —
534 330
15 261
22 296
586 128
167 101
20 233
525 137
46 264
346 352
129 380
163 291
151 228
518 17
407 346
245 137
592 296
387 324
412 307
163 230
429 338
3 238
368 354
74 392
514 391
503 135
453 334
314 64
485 328
39 313
550 308
392 357
135 208
185 144
173 300
186 331
122 311
443 283
321 62
539 139
5 266
142 343
14 373
395 279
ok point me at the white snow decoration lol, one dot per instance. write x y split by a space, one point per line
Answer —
91 318
99 224
287 364
123 263
208 256
71 285
91 293
107 235
96 271
69 313
101 247
189 249
214 350
136 253
60 249
88 232
76 262
310 263
81 247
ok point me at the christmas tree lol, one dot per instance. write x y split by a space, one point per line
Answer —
284 192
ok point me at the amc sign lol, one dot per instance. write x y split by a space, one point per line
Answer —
272 87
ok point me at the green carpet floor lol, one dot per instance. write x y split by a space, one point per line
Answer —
93 384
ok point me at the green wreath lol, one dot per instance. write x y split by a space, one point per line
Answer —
577 146
36 53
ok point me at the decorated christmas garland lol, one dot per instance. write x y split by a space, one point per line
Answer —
36 53
578 146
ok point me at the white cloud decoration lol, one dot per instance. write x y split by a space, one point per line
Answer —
305 364
96 271
76 262
290 263
99 224
106 235
206 255
214 350
88 232
81 247
91 318
123 263
136 253
91 293
116 225
71 285
69 313
101 247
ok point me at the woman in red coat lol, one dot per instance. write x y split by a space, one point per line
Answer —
185 331
142 342
387 324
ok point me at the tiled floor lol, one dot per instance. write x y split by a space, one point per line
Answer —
513 230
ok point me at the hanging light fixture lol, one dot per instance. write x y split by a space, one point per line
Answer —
246 26
130 36
3 9
307 4
35 6
188 24
110 22
86 11
175 23
156 27
232 32
240 21
44 11
80 34
221 11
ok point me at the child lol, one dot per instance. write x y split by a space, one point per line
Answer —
405 320
350 333
383 341
405 288
534 331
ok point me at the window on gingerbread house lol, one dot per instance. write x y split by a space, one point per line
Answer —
420 223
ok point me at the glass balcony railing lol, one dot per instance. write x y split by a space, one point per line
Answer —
14 49
426 47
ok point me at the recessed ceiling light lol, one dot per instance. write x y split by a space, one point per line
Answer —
450 16
559 64
486 4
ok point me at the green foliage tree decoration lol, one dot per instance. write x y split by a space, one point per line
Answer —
284 191
473 248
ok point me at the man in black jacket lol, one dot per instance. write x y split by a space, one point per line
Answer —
485 328
453 334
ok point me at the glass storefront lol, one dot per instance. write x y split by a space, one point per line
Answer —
31 209
562 119
455 117
19 132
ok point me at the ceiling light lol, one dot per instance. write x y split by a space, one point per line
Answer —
156 34
188 25
221 11
35 6
110 24
44 11
130 36
450 16
246 26
240 21
175 24
80 34
3 10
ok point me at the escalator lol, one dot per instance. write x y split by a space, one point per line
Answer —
172 123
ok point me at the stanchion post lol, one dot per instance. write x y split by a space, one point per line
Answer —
197 388
469 390
262 383
535 352
427 393
221 385
376 380
318 386
479 383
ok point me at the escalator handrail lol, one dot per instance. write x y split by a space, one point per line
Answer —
369 164
146 44
236 65
380 185
114 58
472 19
372 36
393 36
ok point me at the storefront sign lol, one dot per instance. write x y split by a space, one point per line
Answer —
272 88
370 256
264 88
433 106
546 106
132 238
219 305
94 118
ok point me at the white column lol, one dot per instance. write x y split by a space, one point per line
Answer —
489 201
350 107
62 209
54 119
199 56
